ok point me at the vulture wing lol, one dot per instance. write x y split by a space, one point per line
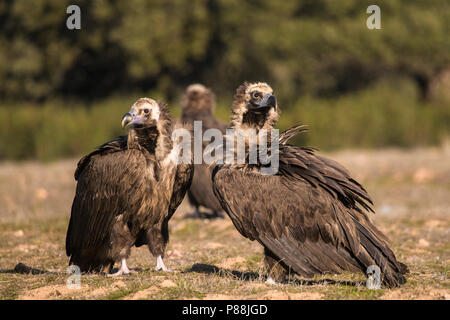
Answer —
183 179
287 135
108 178
112 146
310 215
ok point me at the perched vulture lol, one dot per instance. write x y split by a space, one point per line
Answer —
127 191
310 216
198 104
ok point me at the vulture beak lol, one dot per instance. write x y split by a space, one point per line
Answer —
127 119
268 101
131 118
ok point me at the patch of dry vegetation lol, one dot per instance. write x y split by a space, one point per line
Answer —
209 259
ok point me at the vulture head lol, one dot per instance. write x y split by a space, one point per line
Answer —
144 113
254 106
147 121
198 98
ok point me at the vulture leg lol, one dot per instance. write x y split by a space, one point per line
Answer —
157 240
199 214
122 271
217 215
160 265
276 271
196 213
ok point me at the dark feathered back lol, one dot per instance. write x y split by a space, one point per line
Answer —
120 143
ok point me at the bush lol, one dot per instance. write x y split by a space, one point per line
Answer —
315 47
57 130
389 114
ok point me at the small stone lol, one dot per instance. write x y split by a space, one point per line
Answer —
41 194
424 243
18 233
423 175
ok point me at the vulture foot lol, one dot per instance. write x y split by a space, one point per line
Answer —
160 265
270 281
122 271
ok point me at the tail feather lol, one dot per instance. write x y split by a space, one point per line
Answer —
377 252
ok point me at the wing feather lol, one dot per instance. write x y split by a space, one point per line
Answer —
102 194
183 179
310 215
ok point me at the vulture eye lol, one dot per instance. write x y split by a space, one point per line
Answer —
146 111
256 95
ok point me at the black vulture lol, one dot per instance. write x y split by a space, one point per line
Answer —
198 104
127 191
311 216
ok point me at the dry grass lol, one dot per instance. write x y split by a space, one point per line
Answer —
209 259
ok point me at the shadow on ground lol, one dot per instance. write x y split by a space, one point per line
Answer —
252 276
24 269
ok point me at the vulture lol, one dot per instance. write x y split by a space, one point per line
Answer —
197 104
127 191
311 215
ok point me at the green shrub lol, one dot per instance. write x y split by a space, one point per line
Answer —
389 114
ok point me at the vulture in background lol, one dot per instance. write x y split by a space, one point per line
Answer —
127 191
198 104
311 216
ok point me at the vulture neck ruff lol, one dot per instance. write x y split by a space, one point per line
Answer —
155 140
248 122
244 118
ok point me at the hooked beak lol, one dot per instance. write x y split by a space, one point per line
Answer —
131 118
268 101
127 120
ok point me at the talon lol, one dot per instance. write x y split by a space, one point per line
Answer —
270 281
162 269
160 265
122 271
119 273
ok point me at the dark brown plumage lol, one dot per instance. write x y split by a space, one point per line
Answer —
127 191
310 216
198 103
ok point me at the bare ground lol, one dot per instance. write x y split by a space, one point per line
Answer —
209 259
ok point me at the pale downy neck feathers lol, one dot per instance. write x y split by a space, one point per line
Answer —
155 141
243 119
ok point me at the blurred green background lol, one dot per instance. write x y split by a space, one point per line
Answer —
63 92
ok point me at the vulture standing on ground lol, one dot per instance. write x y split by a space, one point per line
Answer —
310 216
127 191
198 103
